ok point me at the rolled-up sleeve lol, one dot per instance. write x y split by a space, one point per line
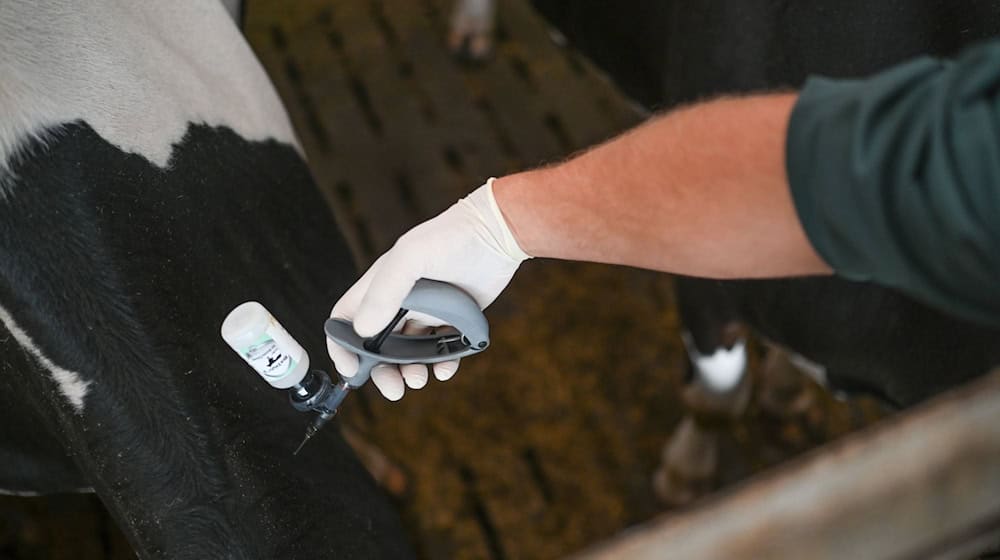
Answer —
896 178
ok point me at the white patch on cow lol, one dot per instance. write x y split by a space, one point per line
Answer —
70 384
19 493
137 72
723 369
30 494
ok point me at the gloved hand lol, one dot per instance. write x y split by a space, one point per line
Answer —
468 245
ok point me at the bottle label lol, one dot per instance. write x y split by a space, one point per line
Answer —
269 357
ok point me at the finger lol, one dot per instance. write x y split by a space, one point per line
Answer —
344 360
389 381
385 295
415 375
423 320
348 304
444 371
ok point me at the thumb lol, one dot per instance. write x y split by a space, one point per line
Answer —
383 299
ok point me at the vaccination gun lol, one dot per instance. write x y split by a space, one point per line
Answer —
253 333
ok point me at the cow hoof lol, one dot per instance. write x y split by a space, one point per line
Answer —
471 36
784 392
689 464
471 48
673 491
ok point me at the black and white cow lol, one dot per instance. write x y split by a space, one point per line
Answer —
150 182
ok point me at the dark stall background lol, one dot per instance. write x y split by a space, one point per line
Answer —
548 442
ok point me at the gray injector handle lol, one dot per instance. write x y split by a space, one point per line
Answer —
444 301
439 299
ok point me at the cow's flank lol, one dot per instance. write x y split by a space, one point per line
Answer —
150 183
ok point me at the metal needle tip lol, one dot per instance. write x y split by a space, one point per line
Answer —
309 434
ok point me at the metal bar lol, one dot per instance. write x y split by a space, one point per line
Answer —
923 484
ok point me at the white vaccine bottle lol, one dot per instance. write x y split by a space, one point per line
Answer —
253 333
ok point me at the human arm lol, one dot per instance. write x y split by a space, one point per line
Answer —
699 191
675 172
894 178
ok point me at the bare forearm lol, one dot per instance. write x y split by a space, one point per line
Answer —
701 191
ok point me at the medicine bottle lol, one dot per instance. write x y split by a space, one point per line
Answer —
253 333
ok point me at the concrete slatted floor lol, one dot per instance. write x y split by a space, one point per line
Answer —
396 130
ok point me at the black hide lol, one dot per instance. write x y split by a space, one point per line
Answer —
123 272
665 53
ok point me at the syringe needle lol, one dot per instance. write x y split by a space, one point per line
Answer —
309 434
318 423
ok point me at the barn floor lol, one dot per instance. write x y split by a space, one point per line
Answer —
548 442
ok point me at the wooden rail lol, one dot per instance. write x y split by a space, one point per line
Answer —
923 485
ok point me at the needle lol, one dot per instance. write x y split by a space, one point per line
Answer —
341 390
318 423
309 434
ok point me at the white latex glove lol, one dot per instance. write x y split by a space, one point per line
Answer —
468 245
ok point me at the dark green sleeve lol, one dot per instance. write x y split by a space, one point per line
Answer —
896 178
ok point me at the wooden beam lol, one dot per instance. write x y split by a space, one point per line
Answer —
924 484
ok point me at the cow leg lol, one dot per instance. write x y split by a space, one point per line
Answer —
717 392
472 25
716 342
784 388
